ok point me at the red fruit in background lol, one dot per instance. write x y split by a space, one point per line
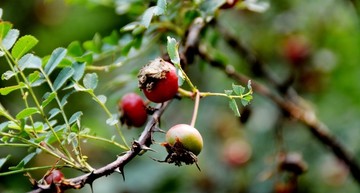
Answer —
158 81
296 49
188 136
55 176
228 4
133 110
236 152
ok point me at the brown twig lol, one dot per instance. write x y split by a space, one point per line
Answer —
295 110
142 144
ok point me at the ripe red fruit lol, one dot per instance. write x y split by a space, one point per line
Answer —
55 176
296 49
236 152
187 136
228 4
133 110
158 80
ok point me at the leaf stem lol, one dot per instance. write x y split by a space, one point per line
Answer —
117 125
102 139
28 169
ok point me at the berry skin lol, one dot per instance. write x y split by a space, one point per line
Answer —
296 49
133 110
188 136
158 81
228 4
55 176
236 152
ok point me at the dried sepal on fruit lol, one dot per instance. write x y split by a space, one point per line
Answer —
183 144
158 80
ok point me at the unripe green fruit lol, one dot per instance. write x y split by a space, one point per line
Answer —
188 136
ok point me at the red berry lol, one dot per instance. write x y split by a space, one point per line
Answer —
158 80
228 4
133 110
188 136
236 152
55 176
296 49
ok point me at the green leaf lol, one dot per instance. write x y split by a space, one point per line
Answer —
75 117
246 100
94 45
172 49
209 6
62 77
34 77
75 49
10 38
57 55
7 75
27 112
23 162
228 92
113 120
234 107
30 61
102 98
71 137
4 29
90 81
3 160
48 97
38 82
130 26
112 39
9 89
160 7
138 31
65 97
88 58
147 17
181 76
23 45
53 112
238 89
79 69
190 15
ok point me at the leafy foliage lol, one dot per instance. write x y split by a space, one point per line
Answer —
47 122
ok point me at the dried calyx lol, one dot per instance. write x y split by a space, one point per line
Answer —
153 72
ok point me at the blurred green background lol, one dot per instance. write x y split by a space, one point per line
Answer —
328 80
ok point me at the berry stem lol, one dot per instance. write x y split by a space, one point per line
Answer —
196 107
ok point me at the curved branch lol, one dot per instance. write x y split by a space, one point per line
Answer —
142 144
290 105
297 111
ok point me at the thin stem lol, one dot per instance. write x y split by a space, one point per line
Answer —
187 79
117 125
102 139
187 93
47 150
14 145
196 108
11 61
28 169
